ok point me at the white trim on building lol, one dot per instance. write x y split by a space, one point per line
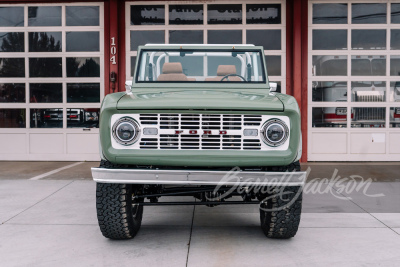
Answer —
205 27
350 143
69 144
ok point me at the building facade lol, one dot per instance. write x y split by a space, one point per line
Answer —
339 59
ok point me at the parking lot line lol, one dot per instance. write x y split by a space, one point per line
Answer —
38 177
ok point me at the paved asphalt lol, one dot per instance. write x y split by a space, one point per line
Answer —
52 222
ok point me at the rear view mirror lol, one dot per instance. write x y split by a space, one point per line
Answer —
273 86
128 87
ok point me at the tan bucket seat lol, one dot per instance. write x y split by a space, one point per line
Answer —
172 72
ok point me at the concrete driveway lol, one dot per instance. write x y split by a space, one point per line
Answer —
52 222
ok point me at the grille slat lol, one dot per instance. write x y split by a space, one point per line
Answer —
199 124
149 119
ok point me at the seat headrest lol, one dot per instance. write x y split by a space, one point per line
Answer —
226 69
173 67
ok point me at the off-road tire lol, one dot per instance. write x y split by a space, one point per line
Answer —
117 216
283 223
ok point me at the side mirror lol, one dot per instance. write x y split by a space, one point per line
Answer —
128 87
273 86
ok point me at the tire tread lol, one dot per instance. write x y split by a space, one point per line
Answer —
282 224
114 208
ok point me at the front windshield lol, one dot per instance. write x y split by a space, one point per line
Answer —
200 66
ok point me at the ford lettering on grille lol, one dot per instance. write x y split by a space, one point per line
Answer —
204 132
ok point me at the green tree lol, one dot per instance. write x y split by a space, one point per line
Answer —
44 42
12 42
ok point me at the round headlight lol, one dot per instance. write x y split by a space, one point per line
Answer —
275 132
126 131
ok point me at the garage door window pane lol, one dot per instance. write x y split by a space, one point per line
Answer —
83 67
146 37
368 13
83 117
83 92
329 117
395 10
46 118
395 39
394 93
263 14
329 13
45 42
329 65
185 14
147 15
329 39
12 67
269 39
394 117
368 117
44 16
45 67
12 93
12 118
368 91
11 16
45 93
12 42
394 65
378 66
273 65
82 15
333 91
368 39
83 41
224 14
360 67
185 37
224 37
368 65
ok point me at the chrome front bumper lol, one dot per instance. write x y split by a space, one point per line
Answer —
194 177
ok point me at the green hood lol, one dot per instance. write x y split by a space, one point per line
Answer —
201 99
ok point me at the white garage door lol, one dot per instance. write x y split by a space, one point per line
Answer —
214 22
51 81
354 87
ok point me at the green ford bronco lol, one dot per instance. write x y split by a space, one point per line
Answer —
201 121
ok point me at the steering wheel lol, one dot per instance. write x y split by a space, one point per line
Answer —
233 74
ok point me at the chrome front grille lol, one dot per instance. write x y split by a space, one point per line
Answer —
369 114
369 96
200 131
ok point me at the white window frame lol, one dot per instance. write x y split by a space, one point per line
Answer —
348 78
64 80
204 27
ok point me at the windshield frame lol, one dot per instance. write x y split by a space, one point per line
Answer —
240 50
